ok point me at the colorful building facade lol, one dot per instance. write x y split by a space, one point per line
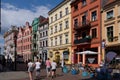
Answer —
34 40
20 41
35 48
9 45
24 42
60 32
111 27
43 39
86 31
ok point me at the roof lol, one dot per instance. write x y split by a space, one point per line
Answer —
108 2
44 21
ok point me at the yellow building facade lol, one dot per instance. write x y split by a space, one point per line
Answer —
111 27
59 39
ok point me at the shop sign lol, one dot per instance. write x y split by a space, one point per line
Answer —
91 60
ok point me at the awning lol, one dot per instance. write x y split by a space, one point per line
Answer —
87 52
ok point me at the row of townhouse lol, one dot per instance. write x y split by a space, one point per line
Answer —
28 42
76 26
72 27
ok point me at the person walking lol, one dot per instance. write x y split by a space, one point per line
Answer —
62 65
54 66
30 69
48 65
37 68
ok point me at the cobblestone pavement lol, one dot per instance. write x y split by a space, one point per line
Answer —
22 75
13 75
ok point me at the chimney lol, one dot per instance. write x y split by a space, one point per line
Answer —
27 23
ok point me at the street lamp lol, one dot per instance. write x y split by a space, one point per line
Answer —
15 53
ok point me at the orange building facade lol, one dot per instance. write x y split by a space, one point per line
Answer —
24 42
86 37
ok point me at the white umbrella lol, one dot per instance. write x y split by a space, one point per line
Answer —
87 52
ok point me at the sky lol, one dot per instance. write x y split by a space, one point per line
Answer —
17 12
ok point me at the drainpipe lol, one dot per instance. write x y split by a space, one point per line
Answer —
101 29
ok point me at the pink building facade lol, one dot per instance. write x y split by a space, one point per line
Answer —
24 42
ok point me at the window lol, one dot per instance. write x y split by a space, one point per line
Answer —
35 46
84 20
66 10
94 33
56 17
60 39
75 36
43 34
51 30
60 14
84 2
46 33
55 29
60 26
110 33
75 7
55 41
51 41
84 34
46 43
110 14
94 16
51 19
66 38
34 36
43 44
40 44
76 22
66 24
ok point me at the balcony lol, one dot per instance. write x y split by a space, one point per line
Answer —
34 50
87 39
82 25
34 40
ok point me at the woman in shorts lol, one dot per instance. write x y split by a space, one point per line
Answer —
53 65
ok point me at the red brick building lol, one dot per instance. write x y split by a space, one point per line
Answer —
24 42
86 31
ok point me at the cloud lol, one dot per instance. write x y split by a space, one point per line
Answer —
11 15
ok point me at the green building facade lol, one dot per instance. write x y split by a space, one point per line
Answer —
34 50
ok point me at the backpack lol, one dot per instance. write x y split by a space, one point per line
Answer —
32 67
